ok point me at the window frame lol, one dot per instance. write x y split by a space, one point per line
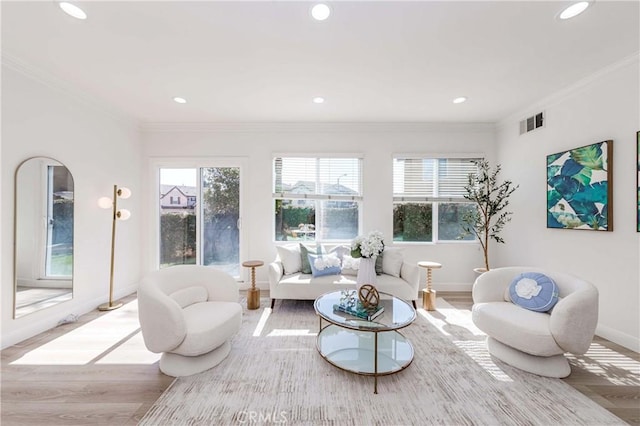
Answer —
317 197
197 163
434 200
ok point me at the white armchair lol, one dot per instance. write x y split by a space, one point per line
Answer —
535 341
188 313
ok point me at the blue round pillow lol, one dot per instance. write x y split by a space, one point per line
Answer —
534 291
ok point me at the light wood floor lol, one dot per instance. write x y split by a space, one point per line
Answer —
97 371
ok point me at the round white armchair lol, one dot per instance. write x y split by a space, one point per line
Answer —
188 313
535 341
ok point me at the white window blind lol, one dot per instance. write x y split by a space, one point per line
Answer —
431 179
317 178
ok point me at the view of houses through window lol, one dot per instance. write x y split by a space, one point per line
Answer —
428 202
317 198
199 217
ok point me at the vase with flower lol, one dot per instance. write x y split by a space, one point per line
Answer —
367 249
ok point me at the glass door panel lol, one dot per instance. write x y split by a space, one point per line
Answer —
221 218
178 216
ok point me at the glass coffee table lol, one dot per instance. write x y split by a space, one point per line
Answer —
371 348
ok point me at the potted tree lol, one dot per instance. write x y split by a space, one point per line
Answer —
491 198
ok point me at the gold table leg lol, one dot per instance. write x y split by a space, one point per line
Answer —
429 294
253 294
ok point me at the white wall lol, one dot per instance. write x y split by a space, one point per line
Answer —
378 142
601 108
99 150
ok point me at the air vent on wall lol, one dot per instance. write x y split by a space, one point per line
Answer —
532 123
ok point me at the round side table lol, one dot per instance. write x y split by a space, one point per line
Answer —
429 294
253 294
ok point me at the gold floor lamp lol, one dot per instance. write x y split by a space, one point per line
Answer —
122 214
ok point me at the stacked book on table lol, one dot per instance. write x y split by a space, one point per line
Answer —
360 311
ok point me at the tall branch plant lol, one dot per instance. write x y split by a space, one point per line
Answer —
491 199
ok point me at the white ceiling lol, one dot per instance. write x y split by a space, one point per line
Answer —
372 61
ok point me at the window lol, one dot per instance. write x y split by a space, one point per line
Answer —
428 202
316 198
206 232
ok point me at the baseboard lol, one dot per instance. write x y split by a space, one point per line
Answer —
622 339
454 287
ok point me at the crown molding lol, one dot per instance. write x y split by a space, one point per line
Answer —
568 91
67 88
323 127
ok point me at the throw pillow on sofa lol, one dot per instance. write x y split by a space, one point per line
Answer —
290 257
324 265
350 265
392 261
378 266
304 258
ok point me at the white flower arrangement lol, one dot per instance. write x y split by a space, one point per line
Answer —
370 246
325 262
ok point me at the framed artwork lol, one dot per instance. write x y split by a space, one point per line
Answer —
579 188
638 180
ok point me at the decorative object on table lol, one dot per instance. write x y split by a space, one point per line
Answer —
579 188
122 214
429 294
368 296
348 298
350 304
491 199
253 294
367 248
638 180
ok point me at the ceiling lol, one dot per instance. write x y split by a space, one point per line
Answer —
372 61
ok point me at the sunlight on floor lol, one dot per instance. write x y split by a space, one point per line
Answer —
261 323
456 324
277 332
112 338
618 369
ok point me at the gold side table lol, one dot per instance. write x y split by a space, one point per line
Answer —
429 294
253 294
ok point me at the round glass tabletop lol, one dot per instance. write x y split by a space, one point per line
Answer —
397 313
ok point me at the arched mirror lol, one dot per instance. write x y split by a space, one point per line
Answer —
43 269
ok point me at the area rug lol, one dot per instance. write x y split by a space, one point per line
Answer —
274 375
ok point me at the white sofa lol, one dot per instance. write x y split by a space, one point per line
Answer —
188 313
301 286
535 341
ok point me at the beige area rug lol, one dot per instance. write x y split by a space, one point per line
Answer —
274 375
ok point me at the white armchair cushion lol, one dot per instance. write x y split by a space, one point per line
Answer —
190 295
520 328
201 318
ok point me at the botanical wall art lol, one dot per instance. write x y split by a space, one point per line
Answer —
638 180
579 188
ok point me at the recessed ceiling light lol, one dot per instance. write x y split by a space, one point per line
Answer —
318 100
180 100
72 10
320 12
460 100
574 10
